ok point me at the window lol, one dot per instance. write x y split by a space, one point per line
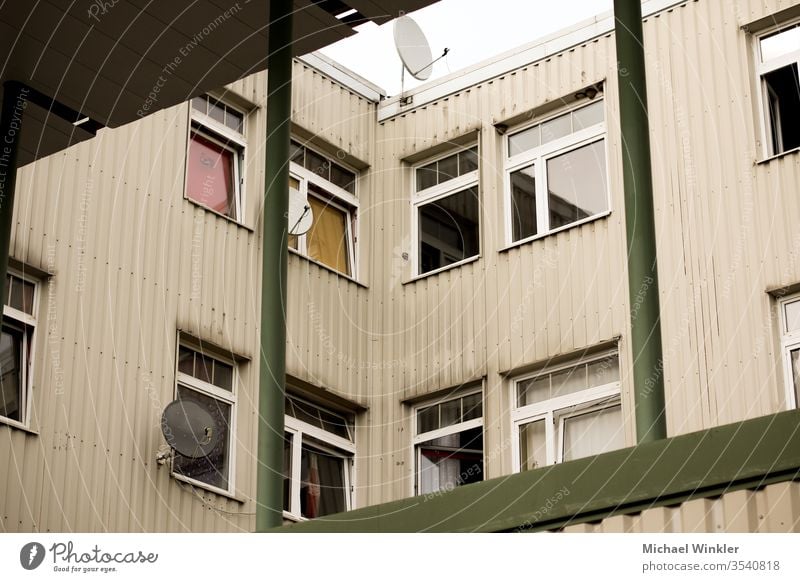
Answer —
778 63
215 160
568 412
448 443
446 210
330 189
318 451
556 173
16 344
210 382
790 347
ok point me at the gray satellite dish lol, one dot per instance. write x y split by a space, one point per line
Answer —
300 214
189 428
413 48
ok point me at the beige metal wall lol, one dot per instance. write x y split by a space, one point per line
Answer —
133 262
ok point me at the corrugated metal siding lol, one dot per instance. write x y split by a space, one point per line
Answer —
774 508
725 232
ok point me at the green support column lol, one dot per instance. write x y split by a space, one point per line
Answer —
648 372
272 381
14 102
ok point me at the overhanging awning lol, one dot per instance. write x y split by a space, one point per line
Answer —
115 61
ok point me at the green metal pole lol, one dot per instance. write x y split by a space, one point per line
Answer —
648 372
14 102
272 380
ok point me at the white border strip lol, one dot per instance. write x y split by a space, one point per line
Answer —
513 59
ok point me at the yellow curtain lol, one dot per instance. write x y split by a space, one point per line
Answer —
326 240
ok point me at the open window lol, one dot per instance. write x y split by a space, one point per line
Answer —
790 347
215 158
568 412
448 443
329 188
16 341
319 446
446 208
778 65
556 174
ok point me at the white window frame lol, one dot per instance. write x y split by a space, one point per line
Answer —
560 408
538 157
28 344
213 130
789 341
762 69
437 192
420 438
340 199
212 391
333 444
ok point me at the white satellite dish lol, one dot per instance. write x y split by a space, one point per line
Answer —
300 214
413 48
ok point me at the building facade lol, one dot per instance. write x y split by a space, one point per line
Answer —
458 310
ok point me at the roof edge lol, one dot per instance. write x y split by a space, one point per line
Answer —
343 76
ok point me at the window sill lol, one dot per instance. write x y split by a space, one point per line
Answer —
444 269
18 425
778 156
219 214
536 237
208 488
327 268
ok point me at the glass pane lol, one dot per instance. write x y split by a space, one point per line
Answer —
556 128
576 184
306 412
603 371
780 43
317 164
448 168
200 103
593 433
287 472
296 153
523 203
792 312
234 120
450 412
335 424
524 140
588 116
21 294
450 461
322 489
11 389
472 407
345 179
467 161
203 368
448 230
216 111
223 375
428 419
294 184
210 175
794 355
533 390
213 468
327 238
426 176
784 105
568 381
532 445
186 360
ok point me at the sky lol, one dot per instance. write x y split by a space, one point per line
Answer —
467 28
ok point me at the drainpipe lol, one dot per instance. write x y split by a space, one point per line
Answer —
272 378
648 372
14 101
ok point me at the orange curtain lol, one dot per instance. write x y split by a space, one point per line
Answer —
327 241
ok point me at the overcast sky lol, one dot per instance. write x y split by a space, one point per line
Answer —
473 30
